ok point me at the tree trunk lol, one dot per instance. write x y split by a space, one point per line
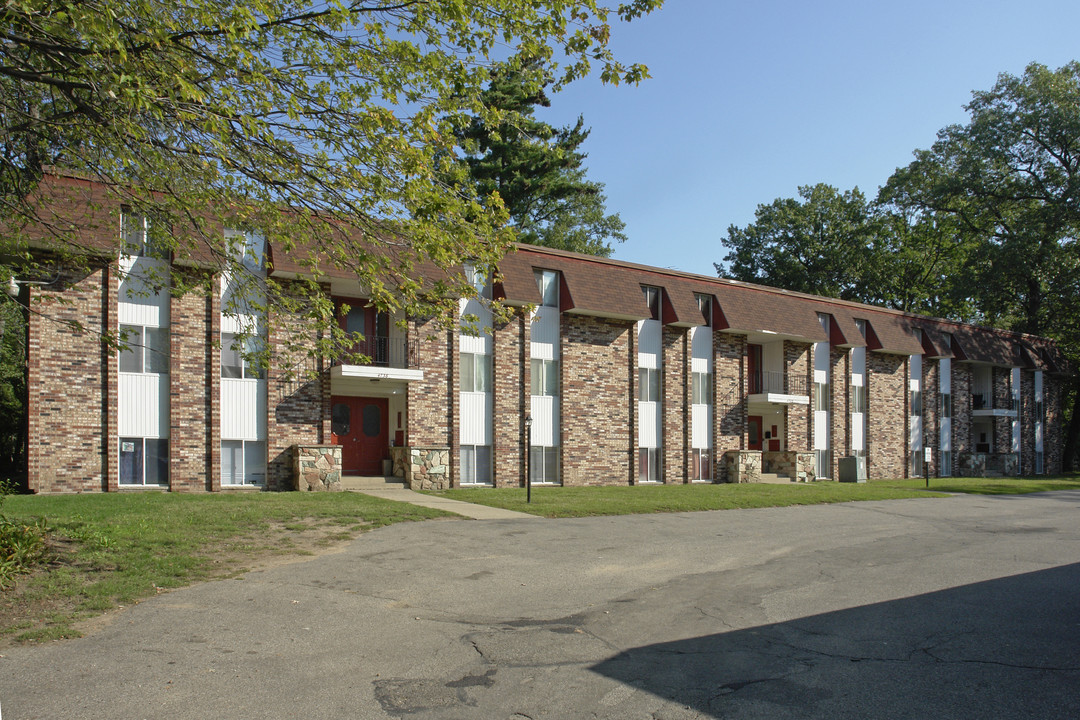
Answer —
1072 430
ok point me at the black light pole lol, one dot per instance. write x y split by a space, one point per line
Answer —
528 452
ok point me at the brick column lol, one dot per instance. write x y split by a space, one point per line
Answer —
798 362
510 400
729 401
840 409
675 411
195 392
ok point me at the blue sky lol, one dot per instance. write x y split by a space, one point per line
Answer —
749 100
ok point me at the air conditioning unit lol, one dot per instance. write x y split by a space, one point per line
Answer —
852 469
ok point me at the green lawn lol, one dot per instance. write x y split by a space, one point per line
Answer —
117 548
622 500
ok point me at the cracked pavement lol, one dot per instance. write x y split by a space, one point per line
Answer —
965 607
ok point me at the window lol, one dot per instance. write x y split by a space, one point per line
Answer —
544 464
545 377
916 462
648 385
821 463
478 279
652 299
547 281
946 405
700 466
138 238
946 464
240 357
701 388
704 304
1039 470
475 373
249 248
860 325
858 399
144 461
243 462
145 350
648 465
1040 416
916 403
475 465
822 396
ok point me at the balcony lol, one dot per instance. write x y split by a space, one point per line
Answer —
391 358
985 405
778 387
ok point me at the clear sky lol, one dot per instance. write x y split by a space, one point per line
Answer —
749 100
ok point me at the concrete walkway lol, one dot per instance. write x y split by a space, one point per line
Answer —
397 491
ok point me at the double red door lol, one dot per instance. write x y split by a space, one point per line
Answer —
359 425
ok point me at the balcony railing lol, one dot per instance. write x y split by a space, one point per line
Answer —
985 402
396 353
777 382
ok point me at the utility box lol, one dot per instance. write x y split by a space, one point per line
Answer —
852 469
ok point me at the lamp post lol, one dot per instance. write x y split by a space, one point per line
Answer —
528 452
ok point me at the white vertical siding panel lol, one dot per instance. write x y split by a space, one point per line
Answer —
475 418
545 416
649 344
143 405
1038 420
858 442
544 334
701 352
648 424
821 430
701 419
243 409
1016 420
772 357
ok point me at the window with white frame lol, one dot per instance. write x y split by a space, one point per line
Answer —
822 396
139 237
652 299
544 464
544 378
946 405
144 461
704 304
700 464
547 282
916 403
648 384
243 462
648 465
475 372
144 349
475 465
701 388
240 357
858 399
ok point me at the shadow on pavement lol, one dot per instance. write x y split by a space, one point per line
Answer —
1007 648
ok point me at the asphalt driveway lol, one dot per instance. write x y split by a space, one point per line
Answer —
966 607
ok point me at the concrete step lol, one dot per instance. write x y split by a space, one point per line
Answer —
773 478
356 482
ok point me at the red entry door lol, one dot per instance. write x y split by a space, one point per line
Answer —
753 428
360 426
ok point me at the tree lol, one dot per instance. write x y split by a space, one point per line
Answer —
203 113
1010 180
535 169
819 245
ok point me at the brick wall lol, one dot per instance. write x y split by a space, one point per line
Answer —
598 403
676 399
799 362
1053 399
72 387
433 406
1027 422
840 417
961 399
510 400
294 393
887 433
195 392
729 406
932 414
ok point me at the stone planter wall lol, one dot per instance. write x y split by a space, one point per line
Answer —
399 459
799 466
428 468
743 466
316 467
987 464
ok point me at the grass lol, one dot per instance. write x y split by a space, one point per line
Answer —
115 549
557 502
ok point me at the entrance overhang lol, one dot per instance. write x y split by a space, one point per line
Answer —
779 398
371 381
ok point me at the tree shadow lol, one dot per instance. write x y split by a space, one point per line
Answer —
1006 648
